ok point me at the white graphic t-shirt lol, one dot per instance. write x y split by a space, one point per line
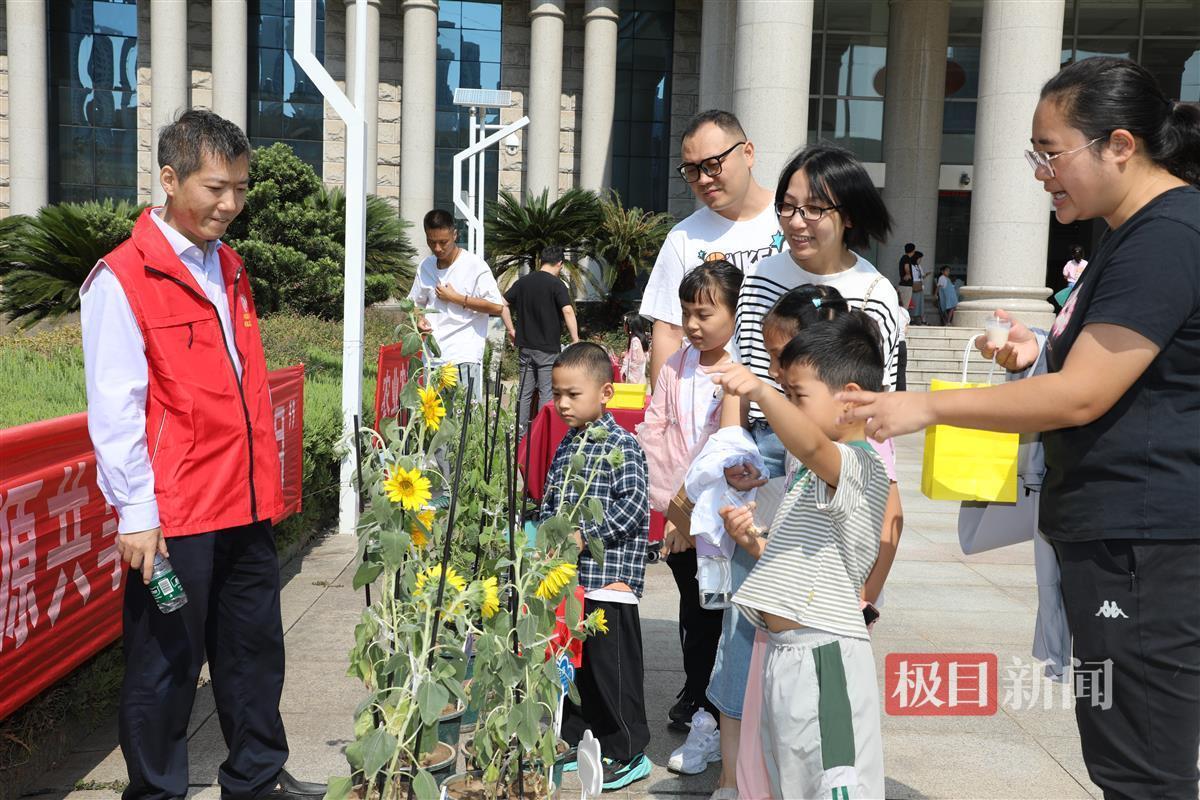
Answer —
707 236
460 333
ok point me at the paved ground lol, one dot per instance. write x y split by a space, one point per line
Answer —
937 600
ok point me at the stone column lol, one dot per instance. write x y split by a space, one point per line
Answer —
599 93
912 127
169 80
1010 213
770 79
418 114
545 97
230 73
372 105
28 120
718 28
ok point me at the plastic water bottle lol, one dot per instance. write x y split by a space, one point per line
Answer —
715 580
165 587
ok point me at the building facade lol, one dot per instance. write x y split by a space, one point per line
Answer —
934 95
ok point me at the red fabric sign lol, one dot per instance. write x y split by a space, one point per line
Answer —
60 573
287 400
536 449
390 378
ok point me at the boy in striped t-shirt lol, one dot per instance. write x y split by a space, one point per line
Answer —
820 705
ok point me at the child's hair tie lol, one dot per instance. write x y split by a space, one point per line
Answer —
816 301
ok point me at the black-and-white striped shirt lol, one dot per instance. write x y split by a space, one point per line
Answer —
861 285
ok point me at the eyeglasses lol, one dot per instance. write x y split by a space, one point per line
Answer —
810 213
710 166
1039 160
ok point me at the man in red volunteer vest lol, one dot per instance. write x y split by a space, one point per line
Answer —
180 417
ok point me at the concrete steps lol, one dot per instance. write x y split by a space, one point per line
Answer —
936 352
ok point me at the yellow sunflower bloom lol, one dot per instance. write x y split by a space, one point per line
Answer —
420 535
408 487
491 598
448 377
431 407
599 620
432 575
555 581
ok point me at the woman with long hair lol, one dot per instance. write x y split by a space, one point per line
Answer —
1119 413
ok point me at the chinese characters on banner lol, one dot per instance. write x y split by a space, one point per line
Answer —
389 382
60 573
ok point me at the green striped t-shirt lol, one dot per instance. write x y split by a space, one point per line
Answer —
821 549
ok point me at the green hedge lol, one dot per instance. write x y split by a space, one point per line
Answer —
43 378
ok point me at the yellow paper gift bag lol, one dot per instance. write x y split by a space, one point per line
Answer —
965 463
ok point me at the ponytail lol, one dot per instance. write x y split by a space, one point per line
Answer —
1102 94
1181 142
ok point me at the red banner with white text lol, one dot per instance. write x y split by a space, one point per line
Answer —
390 378
60 573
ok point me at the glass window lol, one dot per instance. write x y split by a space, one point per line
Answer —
962 69
966 16
1107 17
1176 65
1171 18
953 229
642 161
867 16
852 64
856 125
1125 48
468 58
93 99
958 132
285 105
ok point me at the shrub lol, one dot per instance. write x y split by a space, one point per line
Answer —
45 258
517 231
628 241
291 236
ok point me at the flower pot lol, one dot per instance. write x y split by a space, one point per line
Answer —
440 762
470 786
450 724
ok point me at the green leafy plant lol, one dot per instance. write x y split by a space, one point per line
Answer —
45 258
291 237
627 241
517 230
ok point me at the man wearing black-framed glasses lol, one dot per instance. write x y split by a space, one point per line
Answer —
737 222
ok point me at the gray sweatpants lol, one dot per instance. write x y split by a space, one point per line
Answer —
820 717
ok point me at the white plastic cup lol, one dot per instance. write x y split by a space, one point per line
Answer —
996 329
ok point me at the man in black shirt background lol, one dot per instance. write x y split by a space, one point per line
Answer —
542 305
904 287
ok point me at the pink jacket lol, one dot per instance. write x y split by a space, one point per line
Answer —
661 434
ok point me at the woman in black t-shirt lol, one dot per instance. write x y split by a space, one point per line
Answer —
1120 414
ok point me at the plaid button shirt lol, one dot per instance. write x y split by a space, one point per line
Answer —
623 493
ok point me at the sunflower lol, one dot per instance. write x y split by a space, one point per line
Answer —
599 620
491 598
434 574
555 581
448 376
431 407
422 527
408 487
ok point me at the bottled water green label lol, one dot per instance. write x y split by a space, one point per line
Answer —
165 588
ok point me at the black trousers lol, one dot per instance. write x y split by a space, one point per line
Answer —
699 630
902 367
612 701
1134 602
231 578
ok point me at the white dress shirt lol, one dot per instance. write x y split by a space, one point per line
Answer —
117 377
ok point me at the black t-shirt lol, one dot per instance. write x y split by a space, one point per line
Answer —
1134 473
536 302
905 261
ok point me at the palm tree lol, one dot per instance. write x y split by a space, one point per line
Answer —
390 255
628 241
45 258
516 232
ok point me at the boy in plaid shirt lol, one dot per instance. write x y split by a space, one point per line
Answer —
610 683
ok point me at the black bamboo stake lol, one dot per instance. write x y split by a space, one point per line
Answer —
358 466
457 480
489 443
510 470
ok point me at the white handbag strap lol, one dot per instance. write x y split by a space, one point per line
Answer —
967 358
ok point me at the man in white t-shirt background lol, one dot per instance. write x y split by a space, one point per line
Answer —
737 222
459 287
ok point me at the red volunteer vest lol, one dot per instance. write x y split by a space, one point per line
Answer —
211 439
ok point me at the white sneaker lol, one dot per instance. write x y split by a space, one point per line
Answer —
702 747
